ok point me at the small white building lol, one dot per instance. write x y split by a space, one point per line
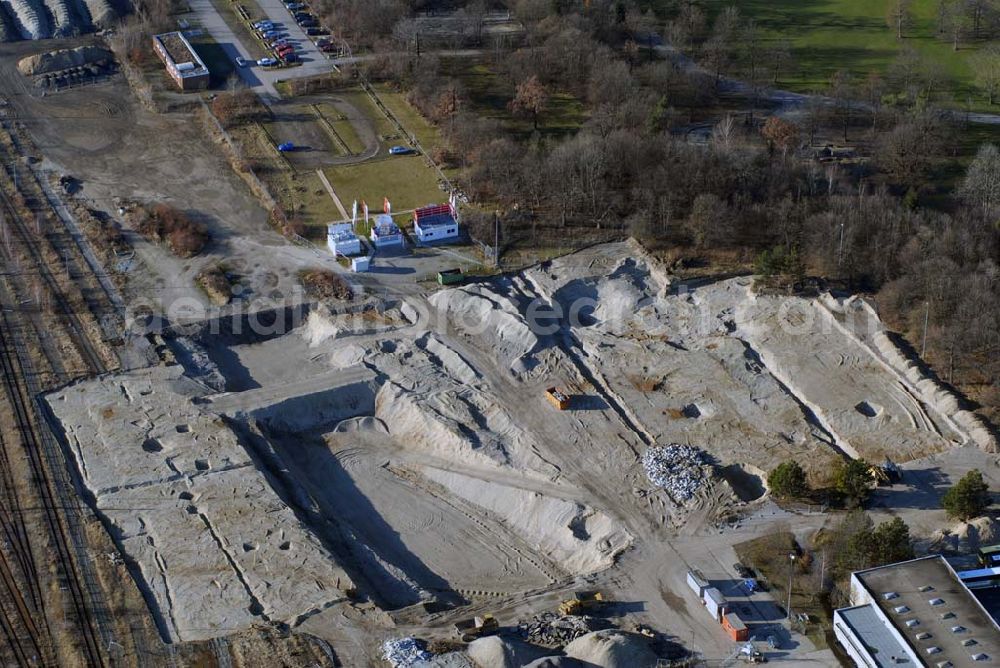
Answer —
341 239
360 264
385 232
435 222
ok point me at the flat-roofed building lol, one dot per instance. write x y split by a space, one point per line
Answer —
385 232
341 239
183 64
917 613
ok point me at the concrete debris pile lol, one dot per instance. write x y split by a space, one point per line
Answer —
551 630
675 468
405 652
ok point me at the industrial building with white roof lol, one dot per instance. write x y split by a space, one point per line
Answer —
916 613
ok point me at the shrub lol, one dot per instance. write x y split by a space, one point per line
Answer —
164 223
325 284
787 479
969 498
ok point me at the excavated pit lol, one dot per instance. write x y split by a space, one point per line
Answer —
408 455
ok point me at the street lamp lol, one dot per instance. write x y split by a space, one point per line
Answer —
791 569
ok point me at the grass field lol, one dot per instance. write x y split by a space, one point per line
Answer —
405 179
489 95
342 127
828 35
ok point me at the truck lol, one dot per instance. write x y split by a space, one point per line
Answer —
582 601
477 627
557 398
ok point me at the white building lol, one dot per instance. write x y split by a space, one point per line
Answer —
435 222
385 232
915 613
341 239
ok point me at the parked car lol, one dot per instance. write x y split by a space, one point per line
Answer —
267 62
285 147
328 47
309 23
743 571
276 42
282 50
296 6
301 15
400 150
263 25
317 30
289 57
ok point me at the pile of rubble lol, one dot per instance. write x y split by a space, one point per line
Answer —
676 468
551 630
405 652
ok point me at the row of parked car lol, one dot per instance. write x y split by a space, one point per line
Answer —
311 25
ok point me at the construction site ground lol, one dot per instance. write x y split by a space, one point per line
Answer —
353 469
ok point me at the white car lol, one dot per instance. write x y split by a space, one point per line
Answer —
267 62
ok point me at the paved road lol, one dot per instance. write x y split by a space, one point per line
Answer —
257 78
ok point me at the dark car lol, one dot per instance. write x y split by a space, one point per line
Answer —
308 23
743 571
302 15
315 31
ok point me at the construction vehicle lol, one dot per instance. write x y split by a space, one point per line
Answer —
477 627
886 473
582 601
557 398
751 654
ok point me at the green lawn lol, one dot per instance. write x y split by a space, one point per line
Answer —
406 180
341 126
828 35
489 94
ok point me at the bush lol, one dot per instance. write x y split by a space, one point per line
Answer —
969 498
164 223
787 479
325 284
853 481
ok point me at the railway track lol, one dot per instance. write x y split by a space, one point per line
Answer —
56 493
31 429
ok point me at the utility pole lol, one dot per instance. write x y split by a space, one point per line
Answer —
496 239
840 252
791 570
927 316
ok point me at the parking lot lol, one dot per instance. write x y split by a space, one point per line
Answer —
262 80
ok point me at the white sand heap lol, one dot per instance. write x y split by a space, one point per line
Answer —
612 649
497 652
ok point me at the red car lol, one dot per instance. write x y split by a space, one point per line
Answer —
282 50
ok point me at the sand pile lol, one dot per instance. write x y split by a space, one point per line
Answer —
30 19
579 539
612 649
497 652
63 59
967 536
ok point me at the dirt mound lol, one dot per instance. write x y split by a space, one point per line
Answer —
497 652
612 649
54 61
967 536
